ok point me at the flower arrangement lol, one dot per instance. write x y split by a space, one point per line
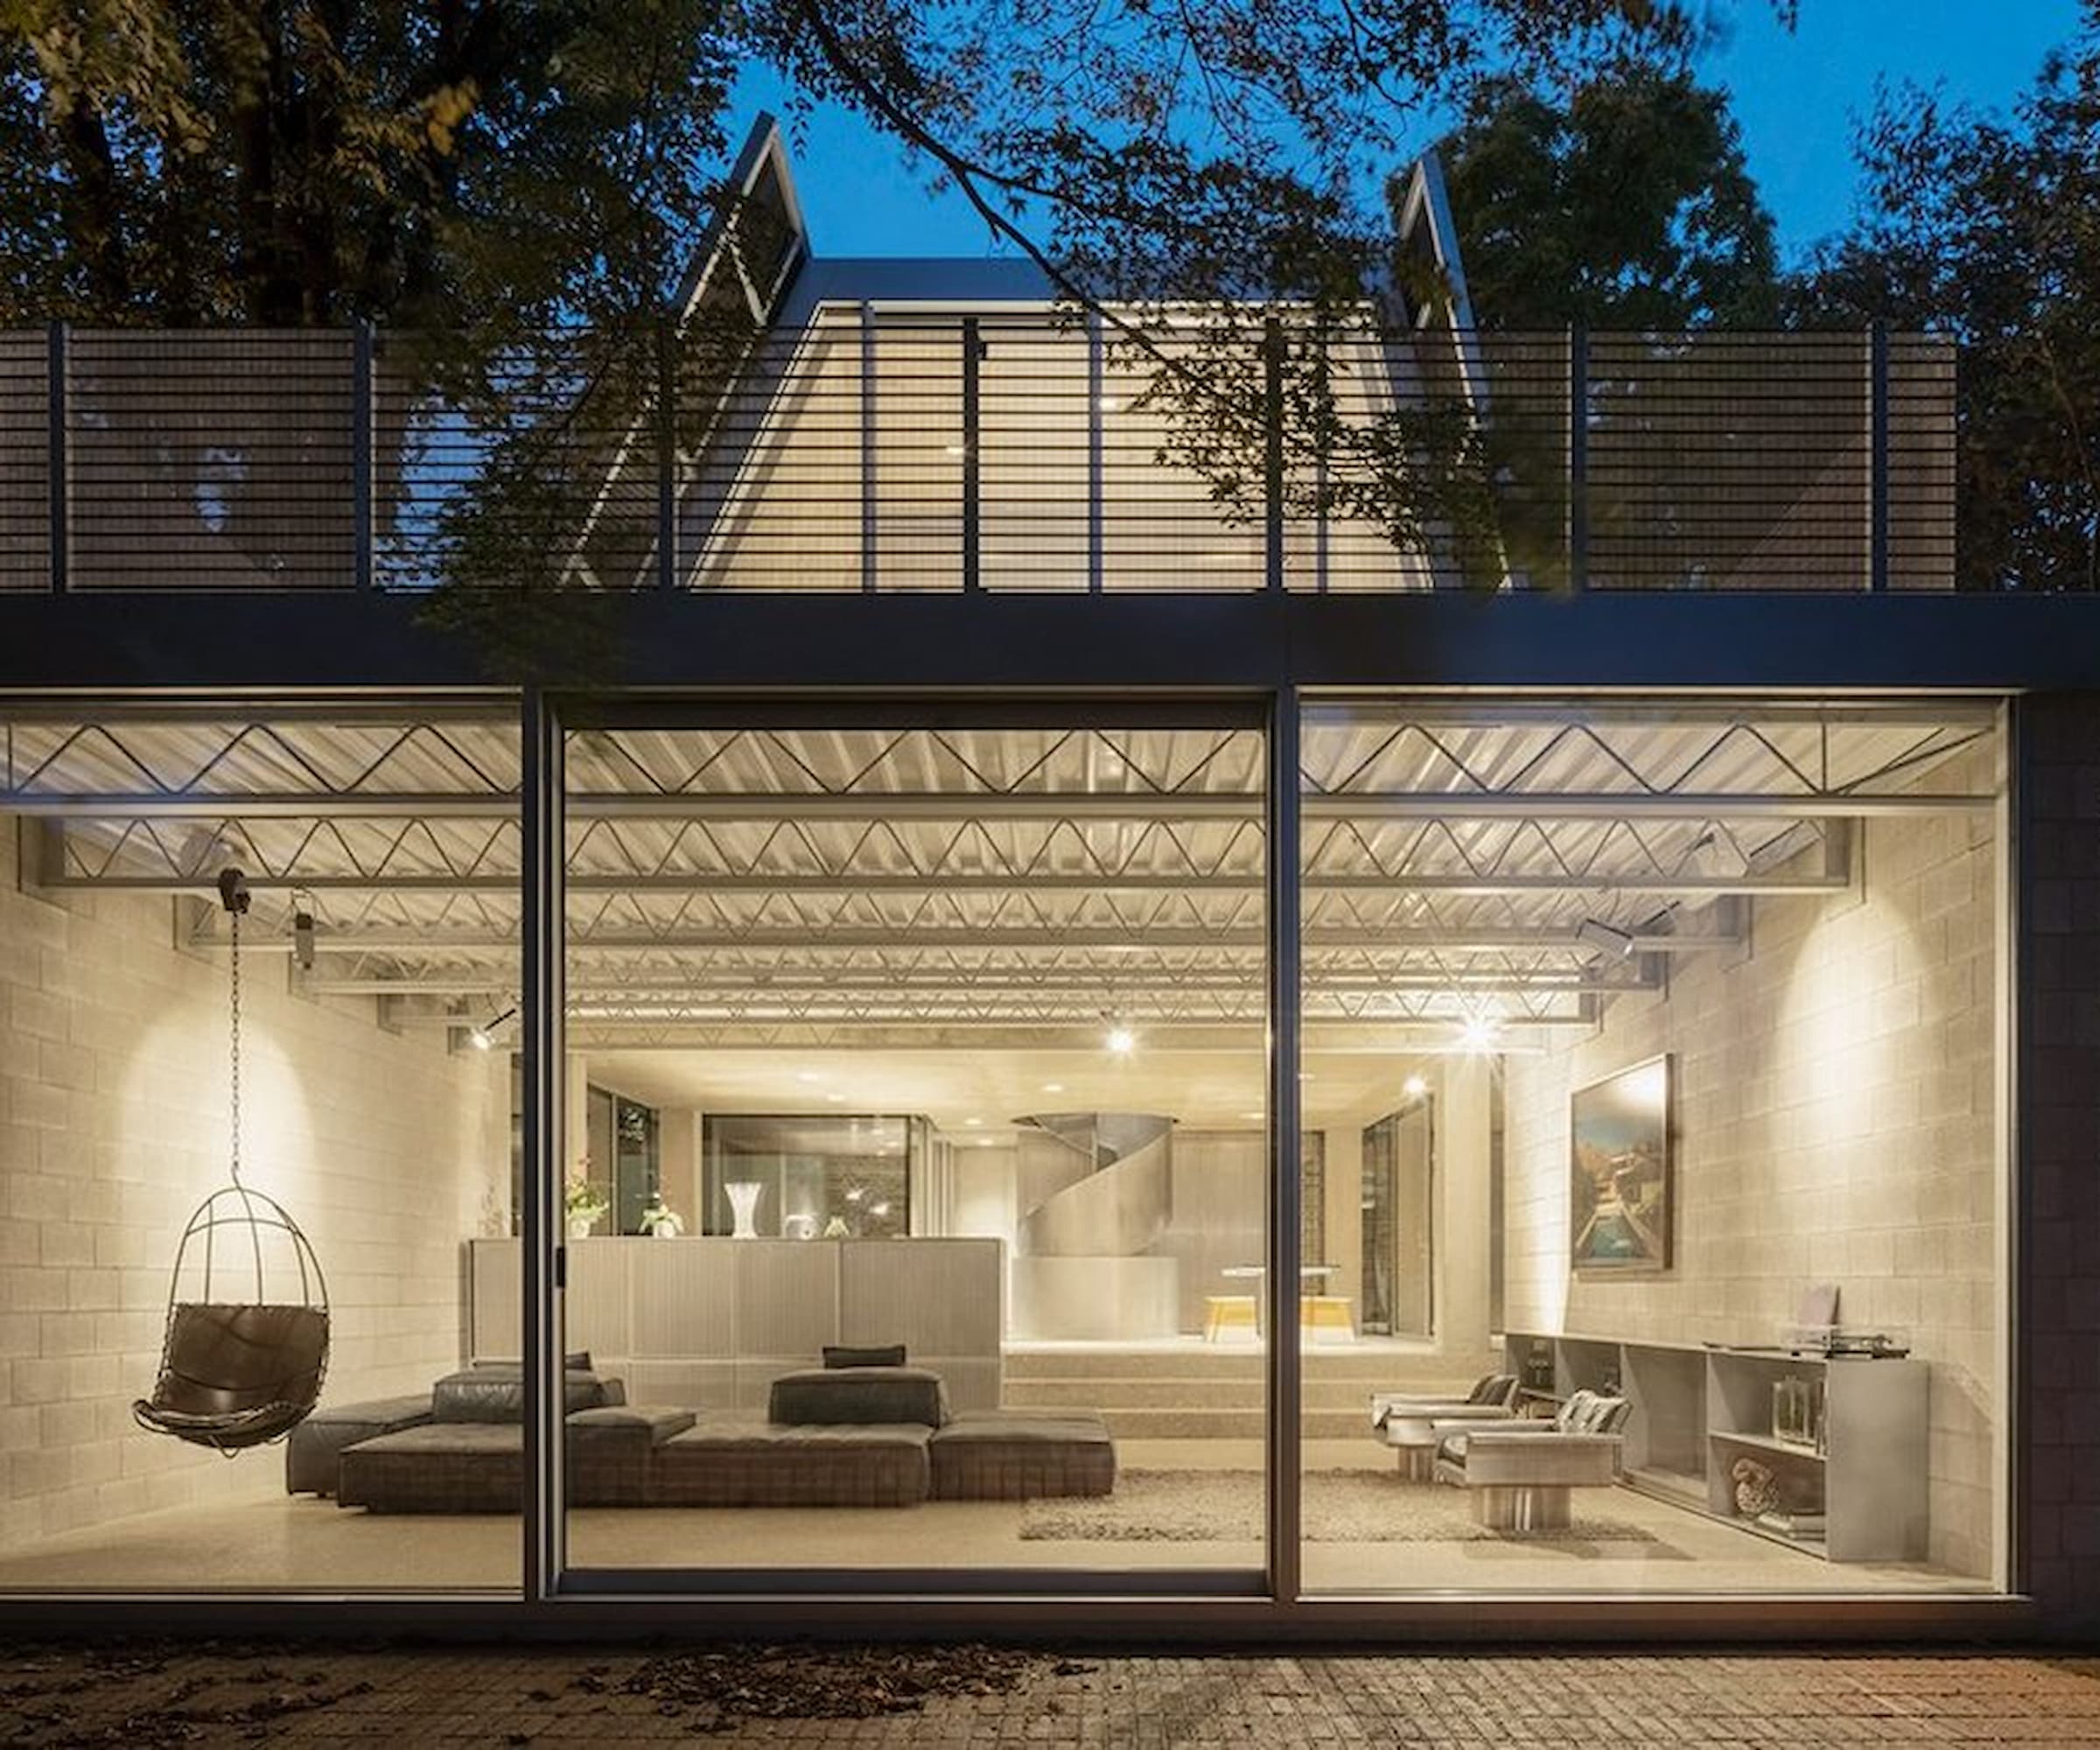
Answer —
660 1219
582 1201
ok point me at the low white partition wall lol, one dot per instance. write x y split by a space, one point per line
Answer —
710 1323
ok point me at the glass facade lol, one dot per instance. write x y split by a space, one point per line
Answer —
916 1167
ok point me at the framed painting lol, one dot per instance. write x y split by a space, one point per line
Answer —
1619 1186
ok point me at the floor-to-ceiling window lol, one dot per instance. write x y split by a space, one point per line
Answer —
260 997
1676 1084
951 1029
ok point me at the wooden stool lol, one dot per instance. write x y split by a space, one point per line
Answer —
1228 1312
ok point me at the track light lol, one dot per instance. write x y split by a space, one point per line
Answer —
1121 1041
1479 1034
301 937
1616 943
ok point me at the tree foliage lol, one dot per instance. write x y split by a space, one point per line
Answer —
1988 228
1626 204
478 172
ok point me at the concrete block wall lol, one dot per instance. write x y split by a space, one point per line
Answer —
113 1125
2058 1127
1837 1121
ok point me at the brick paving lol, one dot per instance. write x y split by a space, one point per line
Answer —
310 1695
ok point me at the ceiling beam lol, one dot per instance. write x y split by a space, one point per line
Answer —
776 885
1043 808
906 937
967 987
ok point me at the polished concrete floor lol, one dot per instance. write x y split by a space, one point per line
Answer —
277 1542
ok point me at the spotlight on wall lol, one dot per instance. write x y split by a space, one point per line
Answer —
1616 943
483 1037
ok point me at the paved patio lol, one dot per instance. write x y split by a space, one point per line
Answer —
220 1693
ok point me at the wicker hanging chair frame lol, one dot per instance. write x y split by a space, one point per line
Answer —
245 1370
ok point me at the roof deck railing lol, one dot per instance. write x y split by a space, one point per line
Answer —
874 448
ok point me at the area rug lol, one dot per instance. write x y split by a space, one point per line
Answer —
1338 1507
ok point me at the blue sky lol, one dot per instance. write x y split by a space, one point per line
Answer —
1798 95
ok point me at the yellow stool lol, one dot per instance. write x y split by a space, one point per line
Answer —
1228 1312
1327 1315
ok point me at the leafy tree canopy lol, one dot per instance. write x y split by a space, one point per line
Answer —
1627 205
472 160
1988 228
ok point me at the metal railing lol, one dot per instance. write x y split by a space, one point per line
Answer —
881 449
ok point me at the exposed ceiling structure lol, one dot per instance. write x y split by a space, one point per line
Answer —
1469 871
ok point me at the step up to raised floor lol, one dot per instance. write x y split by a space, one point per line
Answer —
1228 1423
1103 1392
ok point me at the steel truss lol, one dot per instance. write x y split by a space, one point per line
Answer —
1455 860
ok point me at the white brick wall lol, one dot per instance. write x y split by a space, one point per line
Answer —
1836 1115
113 1095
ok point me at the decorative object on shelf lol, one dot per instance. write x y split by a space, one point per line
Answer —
1796 1522
583 1203
1619 1209
743 1195
836 1229
1815 1320
1538 1365
660 1221
1797 1413
1756 1487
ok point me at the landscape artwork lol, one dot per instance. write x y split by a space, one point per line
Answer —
1618 1212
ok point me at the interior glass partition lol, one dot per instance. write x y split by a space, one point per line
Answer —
953 1032
1706 997
238 1188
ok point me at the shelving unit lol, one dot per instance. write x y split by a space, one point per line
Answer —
1695 1411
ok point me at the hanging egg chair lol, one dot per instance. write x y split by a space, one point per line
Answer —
245 1345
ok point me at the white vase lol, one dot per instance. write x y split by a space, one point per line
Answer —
580 1226
744 1207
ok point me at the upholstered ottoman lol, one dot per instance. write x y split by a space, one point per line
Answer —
611 1452
732 1462
1020 1454
314 1452
439 1467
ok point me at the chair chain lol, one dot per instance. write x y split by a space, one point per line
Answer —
233 1036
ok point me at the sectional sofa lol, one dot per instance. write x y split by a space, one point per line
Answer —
850 1434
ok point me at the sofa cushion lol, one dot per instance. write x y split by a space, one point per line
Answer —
821 1395
840 1356
439 1467
1022 1454
494 1391
655 1423
313 1454
731 1461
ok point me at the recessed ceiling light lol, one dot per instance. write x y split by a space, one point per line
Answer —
973 1123
807 1075
1121 1040
1054 1088
983 1142
1254 1117
1479 1034
836 1099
